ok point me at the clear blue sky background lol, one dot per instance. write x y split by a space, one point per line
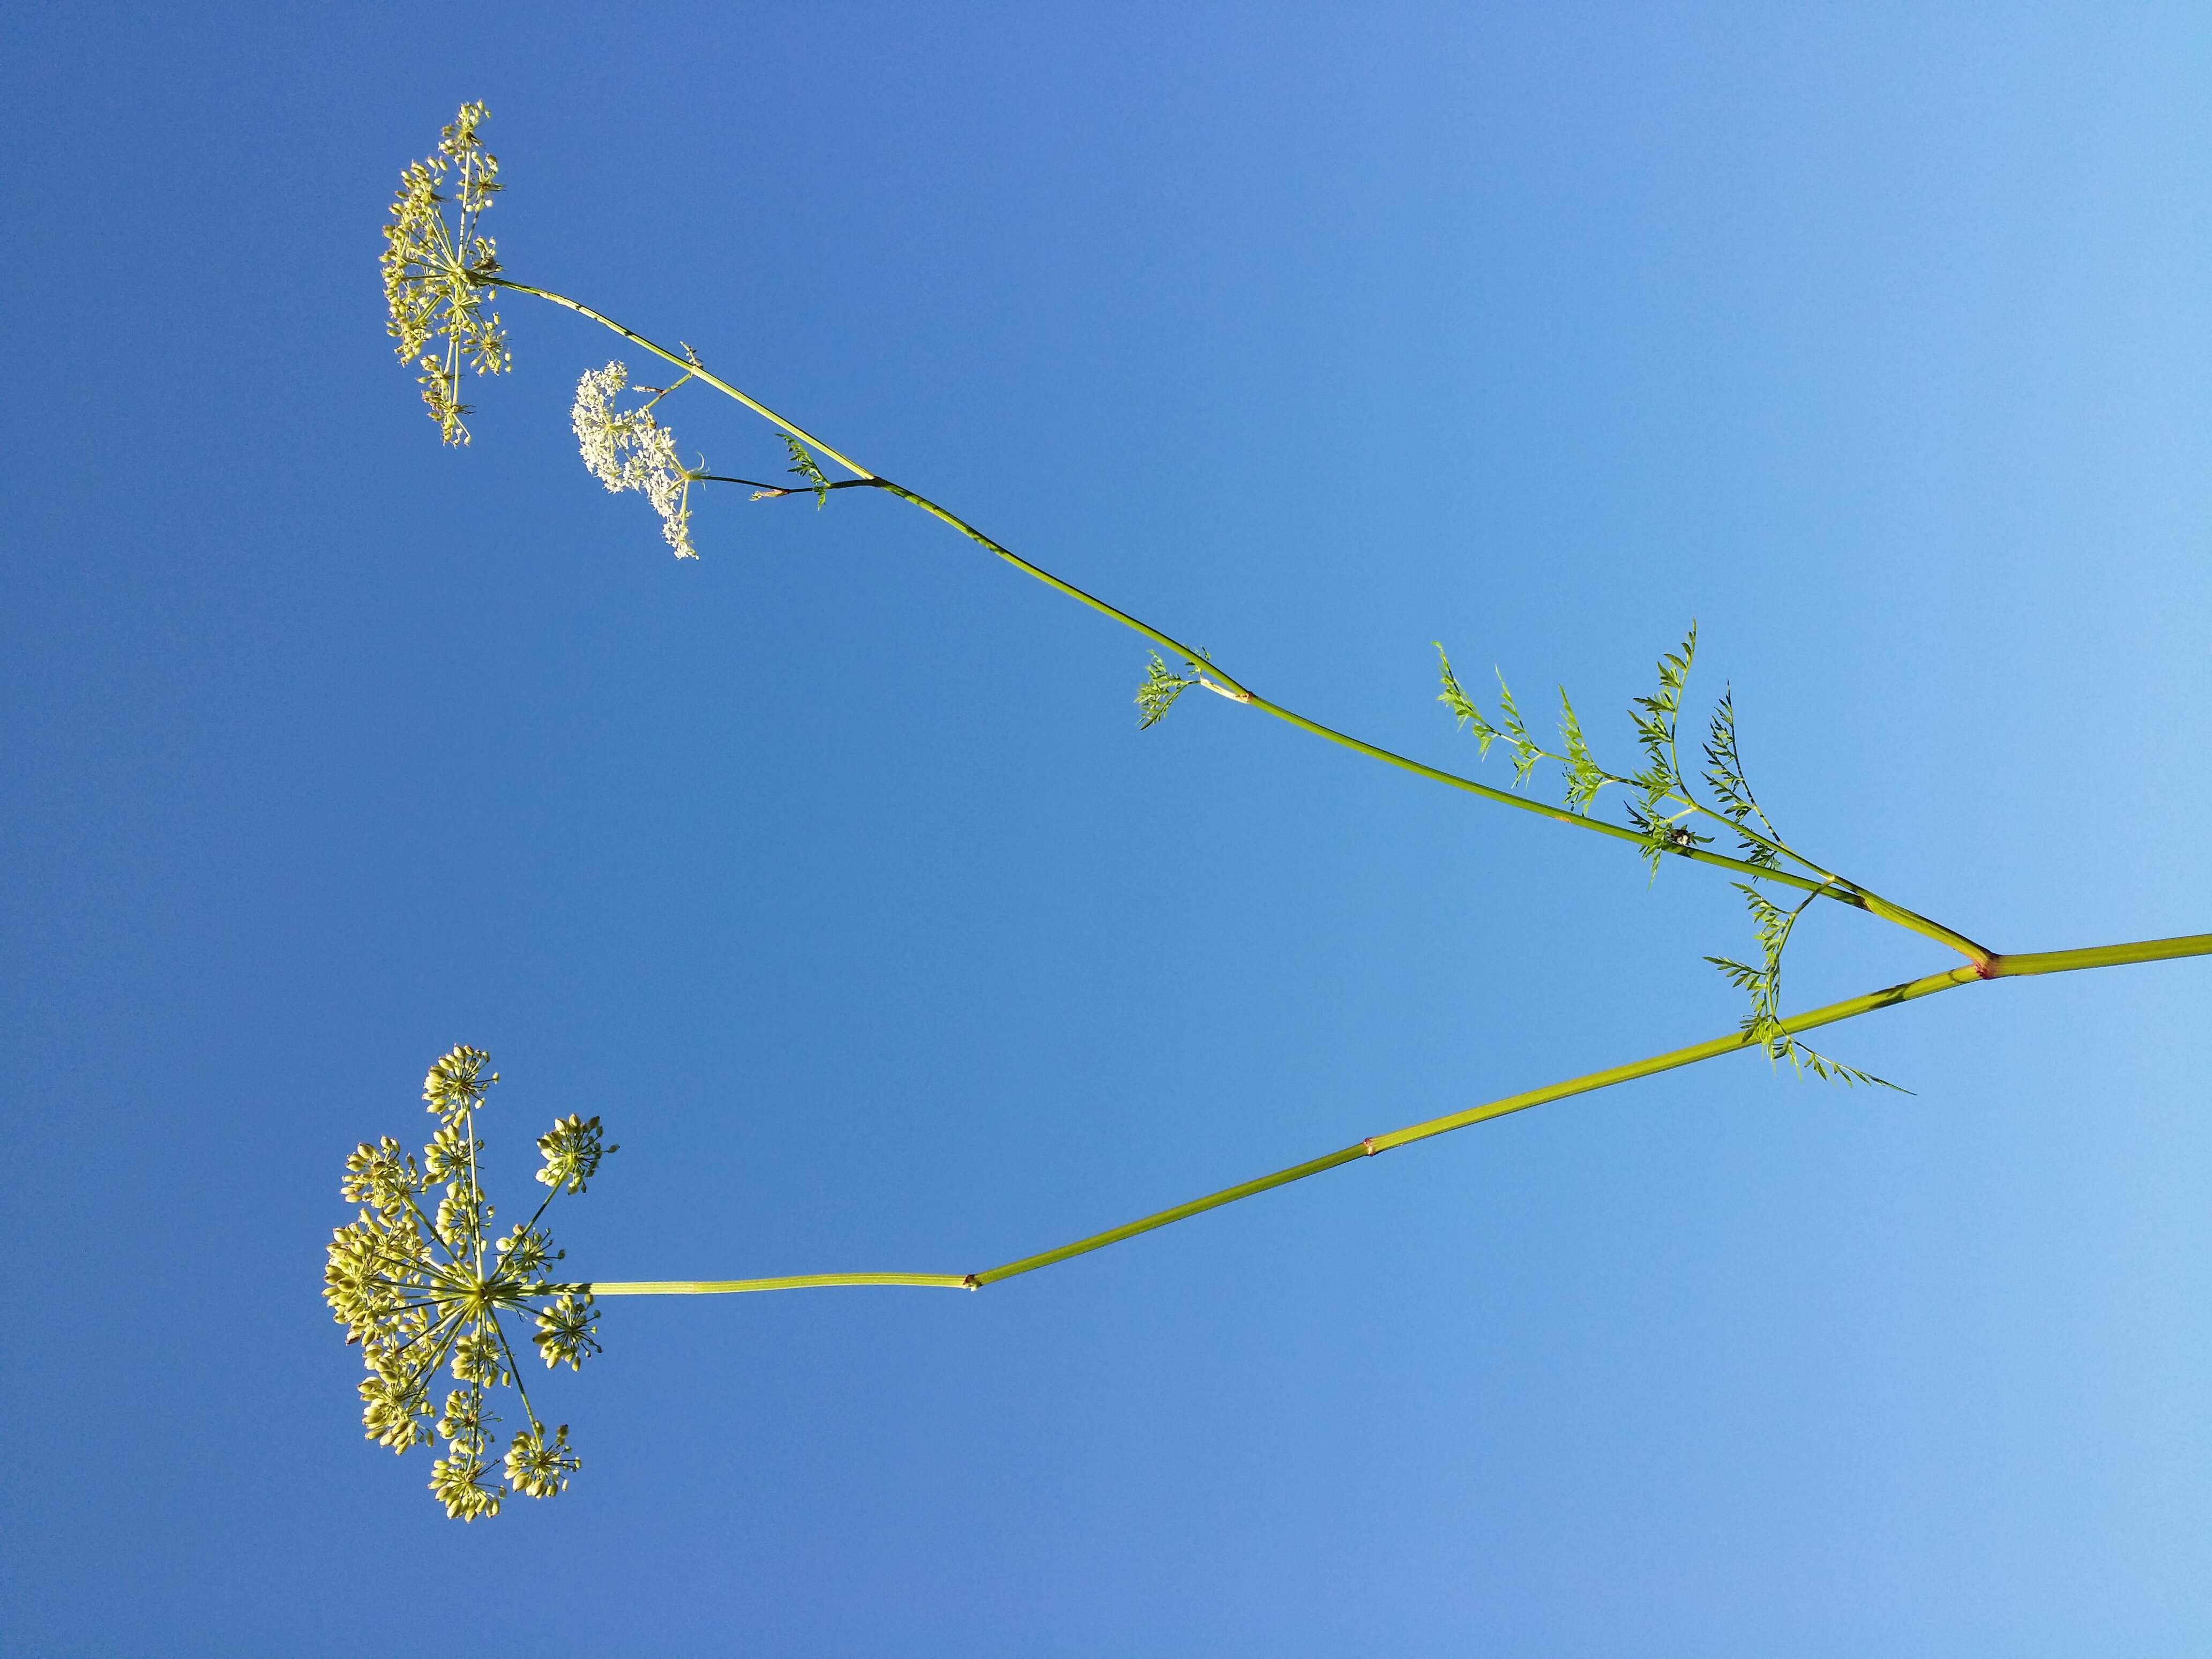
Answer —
833 871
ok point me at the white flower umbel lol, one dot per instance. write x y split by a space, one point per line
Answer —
628 449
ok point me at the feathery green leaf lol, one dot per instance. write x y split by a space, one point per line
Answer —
1584 776
803 463
1462 706
1160 688
1525 753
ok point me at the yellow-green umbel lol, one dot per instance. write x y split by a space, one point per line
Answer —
419 1290
435 271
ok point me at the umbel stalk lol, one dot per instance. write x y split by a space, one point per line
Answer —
1997 967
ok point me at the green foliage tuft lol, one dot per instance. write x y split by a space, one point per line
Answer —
1659 816
1525 753
1160 688
1724 776
1462 706
1584 776
803 463
1664 812
1773 925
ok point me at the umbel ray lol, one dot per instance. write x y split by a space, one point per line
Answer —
421 1280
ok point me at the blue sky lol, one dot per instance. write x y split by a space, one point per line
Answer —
833 873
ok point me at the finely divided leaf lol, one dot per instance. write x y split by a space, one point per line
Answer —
1525 754
1724 775
1585 777
1462 706
803 464
1159 690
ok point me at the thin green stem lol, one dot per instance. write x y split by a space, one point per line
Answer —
1180 1212
422 1376
1844 893
401 1261
514 1370
452 1317
1833 885
804 1282
767 488
1734 1040
476 1192
544 1204
1369 1147
1842 890
1998 967
1772 842
659 392
1979 955
426 1302
664 352
430 1232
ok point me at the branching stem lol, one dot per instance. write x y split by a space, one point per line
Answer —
1842 891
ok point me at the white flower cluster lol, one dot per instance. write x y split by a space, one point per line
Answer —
628 449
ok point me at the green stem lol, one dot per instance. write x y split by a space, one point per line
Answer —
1829 883
452 1318
1734 1040
514 1370
1912 921
804 1282
685 363
2000 967
476 1193
2098 956
1843 892
430 1232
767 488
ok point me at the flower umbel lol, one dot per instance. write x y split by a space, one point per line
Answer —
572 1152
434 269
420 1297
564 1330
628 449
540 1468
456 1085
